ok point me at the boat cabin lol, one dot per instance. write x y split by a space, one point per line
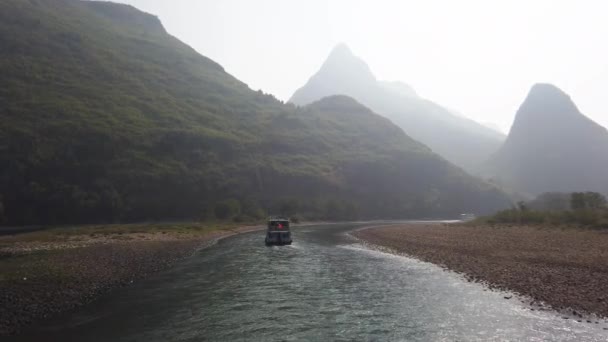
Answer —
278 232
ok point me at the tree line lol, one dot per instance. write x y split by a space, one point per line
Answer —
576 208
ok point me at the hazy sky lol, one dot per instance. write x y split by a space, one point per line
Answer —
477 57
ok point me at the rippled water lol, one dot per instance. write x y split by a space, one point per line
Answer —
325 287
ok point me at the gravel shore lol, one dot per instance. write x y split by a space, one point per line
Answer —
566 269
40 279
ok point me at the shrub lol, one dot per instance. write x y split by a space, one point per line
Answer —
239 218
2 217
251 209
584 217
587 200
227 209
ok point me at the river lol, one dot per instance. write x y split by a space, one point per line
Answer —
324 287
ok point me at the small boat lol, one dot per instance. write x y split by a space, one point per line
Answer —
278 233
467 217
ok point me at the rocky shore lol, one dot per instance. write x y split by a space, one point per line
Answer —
565 268
41 277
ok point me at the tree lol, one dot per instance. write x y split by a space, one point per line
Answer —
227 209
2 217
577 200
289 207
250 208
521 205
553 201
587 200
595 200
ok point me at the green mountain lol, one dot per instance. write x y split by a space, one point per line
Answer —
552 147
106 117
462 141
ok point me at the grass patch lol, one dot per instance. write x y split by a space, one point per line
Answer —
57 241
116 231
30 267
582 218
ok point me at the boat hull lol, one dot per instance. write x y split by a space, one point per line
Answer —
278 239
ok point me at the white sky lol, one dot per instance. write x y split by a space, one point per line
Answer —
478 57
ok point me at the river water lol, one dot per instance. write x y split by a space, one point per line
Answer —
324 287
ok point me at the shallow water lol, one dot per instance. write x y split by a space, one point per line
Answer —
326 286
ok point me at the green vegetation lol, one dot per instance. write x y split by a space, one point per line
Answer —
227 209
586 209
551 201
29 266
29 253
107 118
587 200
69 233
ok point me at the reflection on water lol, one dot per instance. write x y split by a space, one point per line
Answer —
323 287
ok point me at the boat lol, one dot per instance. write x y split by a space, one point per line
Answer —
278 232
467 217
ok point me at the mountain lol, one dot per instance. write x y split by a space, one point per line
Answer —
106 117
552 147
458 139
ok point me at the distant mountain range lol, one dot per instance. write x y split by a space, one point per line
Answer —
458 139
552 147
106 117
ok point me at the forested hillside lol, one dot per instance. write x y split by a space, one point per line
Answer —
106 117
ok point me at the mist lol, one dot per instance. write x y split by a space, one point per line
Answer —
351 156
474 57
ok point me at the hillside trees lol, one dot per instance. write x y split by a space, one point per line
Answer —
587 200
107 118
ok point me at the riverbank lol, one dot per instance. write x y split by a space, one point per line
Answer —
48 272
566 269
